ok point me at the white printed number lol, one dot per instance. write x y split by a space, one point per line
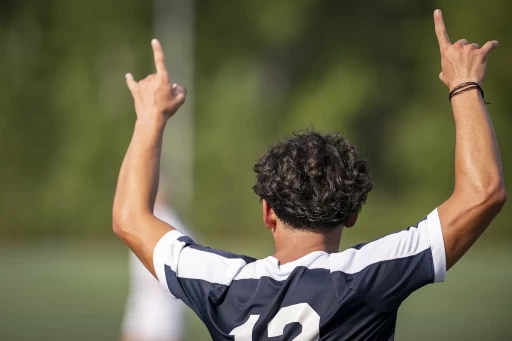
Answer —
298 313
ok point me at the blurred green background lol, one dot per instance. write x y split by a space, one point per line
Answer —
262 69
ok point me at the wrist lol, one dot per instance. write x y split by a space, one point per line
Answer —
464 87
469 95
459 81
151 123
149 127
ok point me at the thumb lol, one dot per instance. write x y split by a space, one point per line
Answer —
131 83
489 46
443 79
179 93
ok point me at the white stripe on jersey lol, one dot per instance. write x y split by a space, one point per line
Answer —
403 244
167 252
196 264
436 241
202 265
394 246
191 263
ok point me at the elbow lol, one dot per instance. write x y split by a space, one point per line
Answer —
126 220
121 225
117 224
494 198
499 197
117 227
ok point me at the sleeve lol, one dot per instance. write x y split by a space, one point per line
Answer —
194 273
386 271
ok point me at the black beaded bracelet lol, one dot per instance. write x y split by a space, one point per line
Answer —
463 87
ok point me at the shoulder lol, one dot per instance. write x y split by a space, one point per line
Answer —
424 237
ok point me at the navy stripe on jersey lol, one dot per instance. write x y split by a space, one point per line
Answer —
349 295
190 243
195 292
385 285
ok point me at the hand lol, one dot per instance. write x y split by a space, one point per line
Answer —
154 96
461 62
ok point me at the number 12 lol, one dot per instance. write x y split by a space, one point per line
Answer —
298 313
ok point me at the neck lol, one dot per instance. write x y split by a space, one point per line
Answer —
292 244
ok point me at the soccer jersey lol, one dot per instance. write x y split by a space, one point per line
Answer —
349 295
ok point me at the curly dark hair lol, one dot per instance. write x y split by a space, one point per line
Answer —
313 181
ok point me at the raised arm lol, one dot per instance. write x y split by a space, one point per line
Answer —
479 191
156 100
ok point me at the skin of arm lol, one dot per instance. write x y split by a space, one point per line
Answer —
156 100
479 191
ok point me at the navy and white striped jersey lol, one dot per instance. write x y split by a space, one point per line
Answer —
349 295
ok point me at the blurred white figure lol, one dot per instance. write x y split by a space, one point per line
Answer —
151 314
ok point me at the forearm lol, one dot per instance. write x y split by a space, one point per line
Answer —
478 168
120 188
143 169
138 178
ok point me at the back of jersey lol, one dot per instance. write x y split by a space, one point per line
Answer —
350 295
300 300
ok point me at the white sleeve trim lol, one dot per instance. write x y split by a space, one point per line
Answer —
167 252
435 234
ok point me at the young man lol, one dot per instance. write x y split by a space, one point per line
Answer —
311 187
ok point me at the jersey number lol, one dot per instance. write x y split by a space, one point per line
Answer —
298 313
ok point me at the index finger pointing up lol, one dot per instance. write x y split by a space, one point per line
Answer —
159 58
442 35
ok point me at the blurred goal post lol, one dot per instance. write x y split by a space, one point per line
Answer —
173 25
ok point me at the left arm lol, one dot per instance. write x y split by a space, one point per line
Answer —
156 100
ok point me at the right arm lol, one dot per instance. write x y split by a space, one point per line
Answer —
479 191
156 99
386 271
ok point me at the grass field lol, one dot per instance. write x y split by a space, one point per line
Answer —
57 291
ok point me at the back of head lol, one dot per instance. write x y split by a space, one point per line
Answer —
314 182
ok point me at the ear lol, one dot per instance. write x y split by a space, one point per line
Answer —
351 221
269 217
